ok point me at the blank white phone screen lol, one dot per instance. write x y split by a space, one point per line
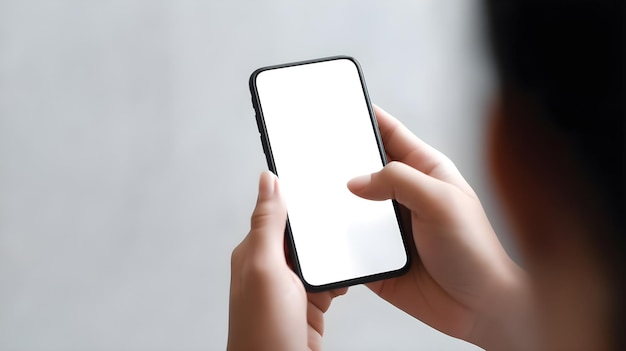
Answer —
321 136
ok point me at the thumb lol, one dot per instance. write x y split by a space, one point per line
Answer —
267 227
410 187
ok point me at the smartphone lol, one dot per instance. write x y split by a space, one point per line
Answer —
318 131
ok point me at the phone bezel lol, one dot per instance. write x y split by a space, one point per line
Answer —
267 150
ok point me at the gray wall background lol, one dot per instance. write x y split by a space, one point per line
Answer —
129 156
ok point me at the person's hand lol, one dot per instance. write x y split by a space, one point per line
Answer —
462 282
269 308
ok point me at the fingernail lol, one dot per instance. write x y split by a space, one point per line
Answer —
360 182
266 185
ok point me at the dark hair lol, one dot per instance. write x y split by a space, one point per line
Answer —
568 58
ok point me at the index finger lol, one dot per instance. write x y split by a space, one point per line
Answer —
402 145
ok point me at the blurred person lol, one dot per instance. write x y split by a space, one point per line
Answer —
556 154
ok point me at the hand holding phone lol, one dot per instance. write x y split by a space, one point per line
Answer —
269 309
463 283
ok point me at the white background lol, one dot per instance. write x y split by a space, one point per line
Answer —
129 156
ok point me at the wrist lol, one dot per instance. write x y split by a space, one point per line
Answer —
507 319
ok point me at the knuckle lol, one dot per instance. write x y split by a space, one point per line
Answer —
451 200
266 212
253 266
236 256
339 292
395 172
448 164
394 166
258 270
261 215
390 169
